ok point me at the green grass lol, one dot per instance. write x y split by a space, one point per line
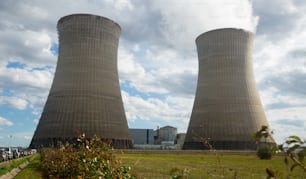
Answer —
6 167
206 165
31 171
158 164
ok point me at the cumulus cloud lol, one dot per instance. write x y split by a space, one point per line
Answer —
171 110
279 17
15 102
290 83
287 121
18 138
166 60
27 137
183 21
291 122
25 87
20 46
16 78
5 122
159 71
127 66
279 61
35 121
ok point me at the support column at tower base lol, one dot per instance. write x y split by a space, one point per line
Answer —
53 142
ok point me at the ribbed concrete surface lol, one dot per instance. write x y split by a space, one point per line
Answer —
227 108
85 95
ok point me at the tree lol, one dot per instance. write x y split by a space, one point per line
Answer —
264 150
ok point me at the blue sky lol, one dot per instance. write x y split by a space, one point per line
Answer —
157 58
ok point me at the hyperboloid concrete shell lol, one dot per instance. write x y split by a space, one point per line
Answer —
85 95
227 108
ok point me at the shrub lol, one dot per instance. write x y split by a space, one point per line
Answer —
87 159
264 152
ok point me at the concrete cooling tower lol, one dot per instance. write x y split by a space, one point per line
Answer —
227 108
85 95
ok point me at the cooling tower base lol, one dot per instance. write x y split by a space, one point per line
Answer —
53 142
220 145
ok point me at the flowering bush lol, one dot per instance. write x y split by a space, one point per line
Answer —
87 159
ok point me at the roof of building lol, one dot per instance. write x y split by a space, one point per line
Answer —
168 127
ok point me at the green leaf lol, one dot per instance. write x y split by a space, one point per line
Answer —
264 128
298 139
274 149
265 134
281 147
294 147
301 155
293 166
286 161
270 172
291 141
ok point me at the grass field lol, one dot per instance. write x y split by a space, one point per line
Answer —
31 171
158 164
7 166
206 165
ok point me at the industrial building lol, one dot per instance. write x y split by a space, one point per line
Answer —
162 138
85 94
227 108
142 136
166 133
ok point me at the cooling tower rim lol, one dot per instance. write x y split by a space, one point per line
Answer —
85 14
223 29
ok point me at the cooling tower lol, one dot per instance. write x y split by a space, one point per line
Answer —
227 108
85 95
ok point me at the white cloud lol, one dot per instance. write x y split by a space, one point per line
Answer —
172 110
27 137
278 17
15 77
279 58
287 122
158 71
27 87
28 47
15 102
18 138
123 4
5 122
35 121
182 21
127 66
